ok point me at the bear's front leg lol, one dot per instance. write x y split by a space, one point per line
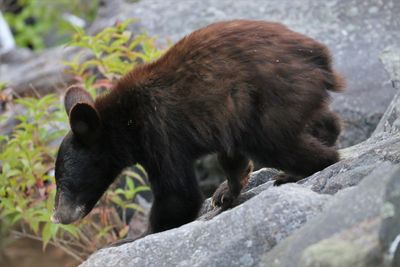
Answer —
177 199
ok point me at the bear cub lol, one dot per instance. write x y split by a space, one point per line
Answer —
247 90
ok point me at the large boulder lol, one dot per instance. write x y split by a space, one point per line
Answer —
235 238
347 232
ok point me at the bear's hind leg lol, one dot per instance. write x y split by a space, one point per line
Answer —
303 158
325 126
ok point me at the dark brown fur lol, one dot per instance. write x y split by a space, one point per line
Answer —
246 88
243 89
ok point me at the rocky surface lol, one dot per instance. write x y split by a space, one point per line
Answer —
212 243
346 233
35 75
345 215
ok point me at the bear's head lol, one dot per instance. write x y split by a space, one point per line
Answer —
84 168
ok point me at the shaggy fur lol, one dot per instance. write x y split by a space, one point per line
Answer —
242 89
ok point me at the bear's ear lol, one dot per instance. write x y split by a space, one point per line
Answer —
83 116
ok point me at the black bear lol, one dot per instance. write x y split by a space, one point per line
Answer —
243 89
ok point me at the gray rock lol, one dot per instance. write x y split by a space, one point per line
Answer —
358 162
355 30
235 238
38 75
356 247
389 234
390 57
390 122
347 222
260 177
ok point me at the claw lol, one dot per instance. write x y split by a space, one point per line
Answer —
213 204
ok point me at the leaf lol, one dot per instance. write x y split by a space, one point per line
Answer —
129 183
123 232
72 229
46 235
117 200
35 226
16 218
54 229
135 175
119 191
142 188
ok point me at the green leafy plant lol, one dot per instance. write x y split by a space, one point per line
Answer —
112 53
27 156
32 21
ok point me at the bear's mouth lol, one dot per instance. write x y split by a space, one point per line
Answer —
66 211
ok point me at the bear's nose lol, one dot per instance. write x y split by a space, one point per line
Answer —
66 211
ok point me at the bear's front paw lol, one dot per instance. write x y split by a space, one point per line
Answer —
223 197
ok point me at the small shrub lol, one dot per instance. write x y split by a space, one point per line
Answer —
113 52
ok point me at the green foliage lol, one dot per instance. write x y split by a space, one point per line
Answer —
39 19
27 185
111 54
